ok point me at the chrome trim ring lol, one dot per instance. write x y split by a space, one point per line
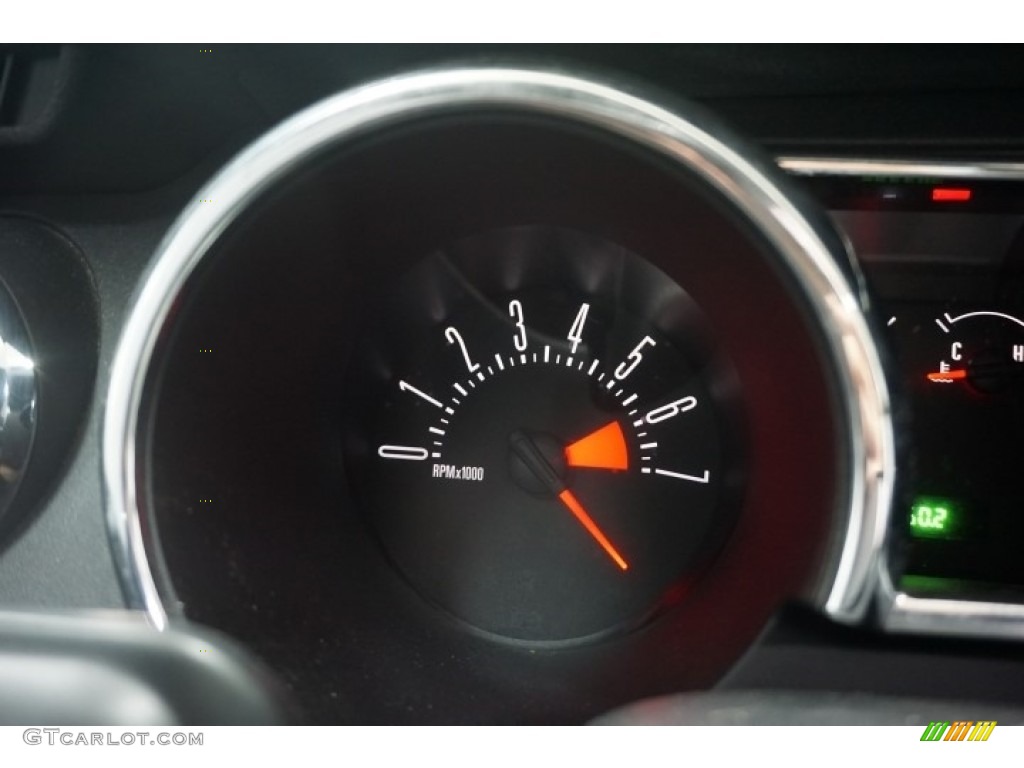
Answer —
17 398
848 587
825 166
898 611
903 613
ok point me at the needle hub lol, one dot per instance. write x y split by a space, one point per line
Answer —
537 463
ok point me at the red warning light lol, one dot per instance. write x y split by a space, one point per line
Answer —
950 195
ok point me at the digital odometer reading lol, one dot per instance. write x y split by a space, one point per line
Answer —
936 518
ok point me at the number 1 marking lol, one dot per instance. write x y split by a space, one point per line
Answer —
407 387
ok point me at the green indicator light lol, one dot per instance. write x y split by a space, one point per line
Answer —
934 518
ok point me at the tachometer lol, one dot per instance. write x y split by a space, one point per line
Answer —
548 457
502 358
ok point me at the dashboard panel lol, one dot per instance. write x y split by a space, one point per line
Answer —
941 247
806 338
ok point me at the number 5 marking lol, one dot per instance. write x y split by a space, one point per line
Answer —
633 360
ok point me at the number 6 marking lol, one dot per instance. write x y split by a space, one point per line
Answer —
672 409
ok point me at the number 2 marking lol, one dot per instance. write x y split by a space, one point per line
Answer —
454 337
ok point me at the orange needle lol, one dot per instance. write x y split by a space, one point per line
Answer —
587 522
604 448
959 373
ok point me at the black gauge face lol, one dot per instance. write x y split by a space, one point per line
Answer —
545 451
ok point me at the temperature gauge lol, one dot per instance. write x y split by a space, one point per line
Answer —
984 350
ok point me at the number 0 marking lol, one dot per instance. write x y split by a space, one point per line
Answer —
454 337
403 452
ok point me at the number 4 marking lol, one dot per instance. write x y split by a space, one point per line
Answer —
576 332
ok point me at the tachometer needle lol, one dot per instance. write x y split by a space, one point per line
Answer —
567 498
604 448
525 448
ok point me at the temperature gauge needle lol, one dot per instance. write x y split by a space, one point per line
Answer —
567 498
948 376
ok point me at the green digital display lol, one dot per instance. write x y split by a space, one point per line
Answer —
932 517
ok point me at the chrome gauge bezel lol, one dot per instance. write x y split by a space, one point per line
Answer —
897 611
680 135
17 398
